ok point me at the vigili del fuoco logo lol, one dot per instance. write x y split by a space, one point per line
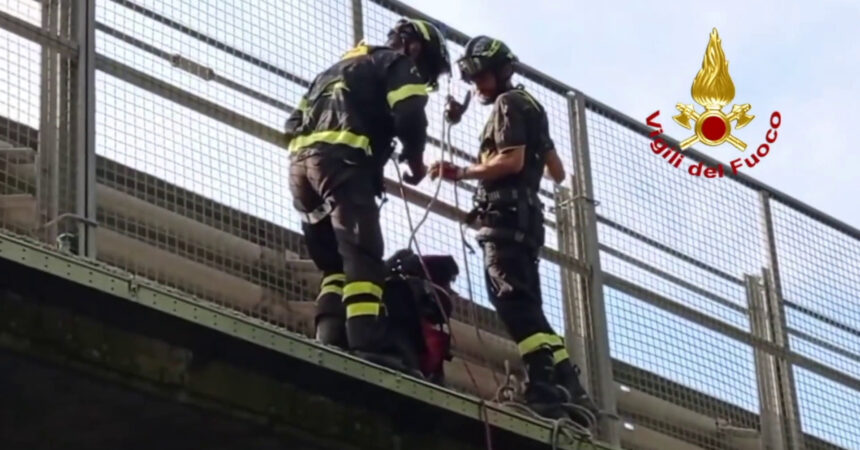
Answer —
713 89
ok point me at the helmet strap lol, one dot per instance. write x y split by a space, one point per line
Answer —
504 84
504 76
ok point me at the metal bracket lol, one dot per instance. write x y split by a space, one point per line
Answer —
587 199
577 198
725 426
77 218
179 61
133 286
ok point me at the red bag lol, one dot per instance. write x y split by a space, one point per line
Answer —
438 342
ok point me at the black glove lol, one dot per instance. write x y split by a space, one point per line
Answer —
417 171
454 110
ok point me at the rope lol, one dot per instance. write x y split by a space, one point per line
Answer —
429 206
505 393
482 405
464 245
413 241
556 426
560 427
592 419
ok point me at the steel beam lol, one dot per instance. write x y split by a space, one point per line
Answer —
126 287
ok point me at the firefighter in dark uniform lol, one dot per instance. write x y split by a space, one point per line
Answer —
515 151
340 138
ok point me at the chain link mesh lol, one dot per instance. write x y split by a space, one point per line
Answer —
195 130
29 11
688 241
820 284
681 238
192 192
36 128
19 120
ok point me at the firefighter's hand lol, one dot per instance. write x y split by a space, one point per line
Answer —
446 170
454 110
417 172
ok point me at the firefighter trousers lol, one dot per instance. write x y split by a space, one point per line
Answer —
513 287
344 239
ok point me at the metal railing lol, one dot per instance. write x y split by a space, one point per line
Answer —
718 314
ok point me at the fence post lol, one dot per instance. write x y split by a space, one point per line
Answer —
772 435
83 30
357 21
779 334
575 310
47 158
603 382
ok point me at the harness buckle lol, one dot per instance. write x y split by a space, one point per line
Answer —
319 213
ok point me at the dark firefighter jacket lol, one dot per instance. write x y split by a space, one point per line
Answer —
358 105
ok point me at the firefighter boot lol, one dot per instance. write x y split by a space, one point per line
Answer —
330 321
581 408
330 331
542 394
367 340
404 348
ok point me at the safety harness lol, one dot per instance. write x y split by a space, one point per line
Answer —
490 204
319 213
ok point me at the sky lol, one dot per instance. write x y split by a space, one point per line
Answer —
635 59
796 57
799 58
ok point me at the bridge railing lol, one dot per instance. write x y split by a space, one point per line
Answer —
708 313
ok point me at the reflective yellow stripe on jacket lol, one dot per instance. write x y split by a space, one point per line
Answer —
405 91
344 137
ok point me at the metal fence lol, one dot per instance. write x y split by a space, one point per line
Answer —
710 314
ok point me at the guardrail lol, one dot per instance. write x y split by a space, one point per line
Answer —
164 131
